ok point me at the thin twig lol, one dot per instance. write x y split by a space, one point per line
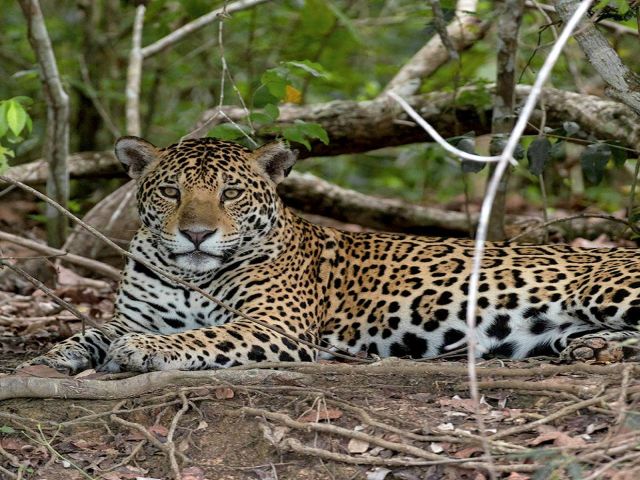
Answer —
172 430
149 436
94 265
200 22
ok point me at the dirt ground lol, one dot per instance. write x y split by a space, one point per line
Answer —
398 419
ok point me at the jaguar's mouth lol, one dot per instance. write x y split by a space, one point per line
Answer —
200 255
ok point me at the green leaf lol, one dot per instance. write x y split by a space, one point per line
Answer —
272 110
228 131
294 133
497 144
594 159
260 117
313 130
16 117
468 145
6 429
539 153
275 79
24 100
4 126
518 152
316 18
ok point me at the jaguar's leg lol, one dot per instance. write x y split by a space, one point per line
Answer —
82 351
221 346
605 346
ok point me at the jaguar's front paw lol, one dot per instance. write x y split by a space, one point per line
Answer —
70 360
135 352
592 348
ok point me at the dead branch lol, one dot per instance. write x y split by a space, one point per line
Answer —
624 85
56 144
344 432
462 33
284 419
579 390
294 445
355 127
397 366
34 387
98 267
191 27
574 407
262 374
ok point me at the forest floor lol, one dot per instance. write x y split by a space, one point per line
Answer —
397 419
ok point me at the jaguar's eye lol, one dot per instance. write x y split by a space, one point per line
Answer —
170 192
231 193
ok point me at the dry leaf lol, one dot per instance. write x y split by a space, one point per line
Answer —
378 473
445 427
292 95
202 425
466 404
322 414
467 452
159 430
559 439
224 393
357 446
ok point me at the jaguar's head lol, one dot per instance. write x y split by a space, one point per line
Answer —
205 199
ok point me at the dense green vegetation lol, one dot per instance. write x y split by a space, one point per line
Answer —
302 51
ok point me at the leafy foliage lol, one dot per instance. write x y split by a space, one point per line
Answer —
299 52
14 122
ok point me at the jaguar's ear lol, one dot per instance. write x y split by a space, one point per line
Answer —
135 154
275 160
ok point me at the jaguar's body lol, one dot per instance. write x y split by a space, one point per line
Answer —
211 215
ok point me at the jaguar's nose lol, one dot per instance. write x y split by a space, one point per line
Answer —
197 237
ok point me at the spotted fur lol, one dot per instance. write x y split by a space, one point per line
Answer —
210 214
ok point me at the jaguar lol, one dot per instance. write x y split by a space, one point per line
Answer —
296 291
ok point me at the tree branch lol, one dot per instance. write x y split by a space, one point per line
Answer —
197 24
56 145
355 127
624 85
97 267
462 33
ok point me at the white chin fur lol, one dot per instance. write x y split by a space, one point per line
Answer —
198 262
